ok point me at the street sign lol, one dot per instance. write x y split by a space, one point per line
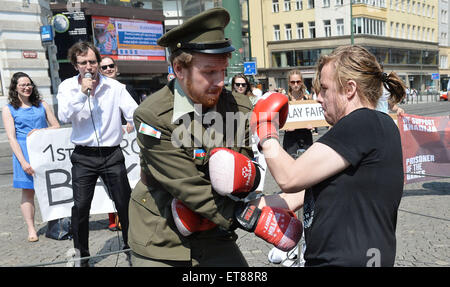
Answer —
29 54
435 76
46 33
250 68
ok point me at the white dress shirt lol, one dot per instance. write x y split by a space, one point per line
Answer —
110 100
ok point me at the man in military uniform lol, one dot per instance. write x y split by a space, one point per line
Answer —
178 168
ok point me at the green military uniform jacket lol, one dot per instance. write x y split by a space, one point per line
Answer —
180 170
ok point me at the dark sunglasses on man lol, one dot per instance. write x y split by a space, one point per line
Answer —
111 66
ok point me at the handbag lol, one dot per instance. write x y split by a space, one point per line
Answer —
59 229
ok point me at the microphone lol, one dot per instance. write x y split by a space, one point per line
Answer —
88 76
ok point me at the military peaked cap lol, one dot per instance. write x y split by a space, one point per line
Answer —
203 33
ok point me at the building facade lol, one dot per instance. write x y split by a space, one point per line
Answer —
21 48
403 34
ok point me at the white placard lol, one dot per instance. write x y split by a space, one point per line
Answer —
49 151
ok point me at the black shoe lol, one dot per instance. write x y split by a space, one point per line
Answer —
128 255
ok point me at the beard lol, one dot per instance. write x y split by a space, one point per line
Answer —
207 99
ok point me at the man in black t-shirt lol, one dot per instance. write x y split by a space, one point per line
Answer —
353 174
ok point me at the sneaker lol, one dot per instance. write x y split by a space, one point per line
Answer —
278 256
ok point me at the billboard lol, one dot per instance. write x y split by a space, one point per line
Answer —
128 39
70 27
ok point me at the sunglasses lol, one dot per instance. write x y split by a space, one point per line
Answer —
111 66
296 82
241 84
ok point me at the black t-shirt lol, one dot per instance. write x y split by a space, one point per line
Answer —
350 218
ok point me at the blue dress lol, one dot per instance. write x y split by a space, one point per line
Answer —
25 119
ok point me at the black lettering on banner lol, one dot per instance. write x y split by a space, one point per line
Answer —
51 186
134 146
124 148
59 151
51 151
63 156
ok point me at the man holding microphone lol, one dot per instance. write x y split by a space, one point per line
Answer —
93 104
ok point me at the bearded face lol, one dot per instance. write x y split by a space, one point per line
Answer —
203 81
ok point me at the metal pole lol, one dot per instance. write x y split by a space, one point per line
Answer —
233 31
248 27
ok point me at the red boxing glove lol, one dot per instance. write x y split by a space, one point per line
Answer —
232 173
269 115
187 221
275 225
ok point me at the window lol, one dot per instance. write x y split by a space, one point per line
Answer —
340 27
298 5
443 62
275 7
300 32
339 2
276 32
310 4
327 26
363 25
288 30
287 5
312 29
326 3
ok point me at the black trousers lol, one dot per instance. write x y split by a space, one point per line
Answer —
88 163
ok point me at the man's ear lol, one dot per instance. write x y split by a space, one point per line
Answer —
178 70
350 89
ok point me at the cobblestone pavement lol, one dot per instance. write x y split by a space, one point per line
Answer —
423 229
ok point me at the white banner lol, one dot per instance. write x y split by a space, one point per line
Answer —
49 152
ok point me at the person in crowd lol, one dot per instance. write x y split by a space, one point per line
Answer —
94 104
176 217
385 104
256 92
25 113
353 174
240 84
108 68
296 141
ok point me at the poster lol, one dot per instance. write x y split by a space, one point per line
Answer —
128 39
425 147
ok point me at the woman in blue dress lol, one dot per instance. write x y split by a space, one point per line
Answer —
25 113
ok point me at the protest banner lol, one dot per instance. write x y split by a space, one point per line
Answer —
49 151
425 147
305 114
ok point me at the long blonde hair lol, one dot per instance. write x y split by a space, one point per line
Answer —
358 64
